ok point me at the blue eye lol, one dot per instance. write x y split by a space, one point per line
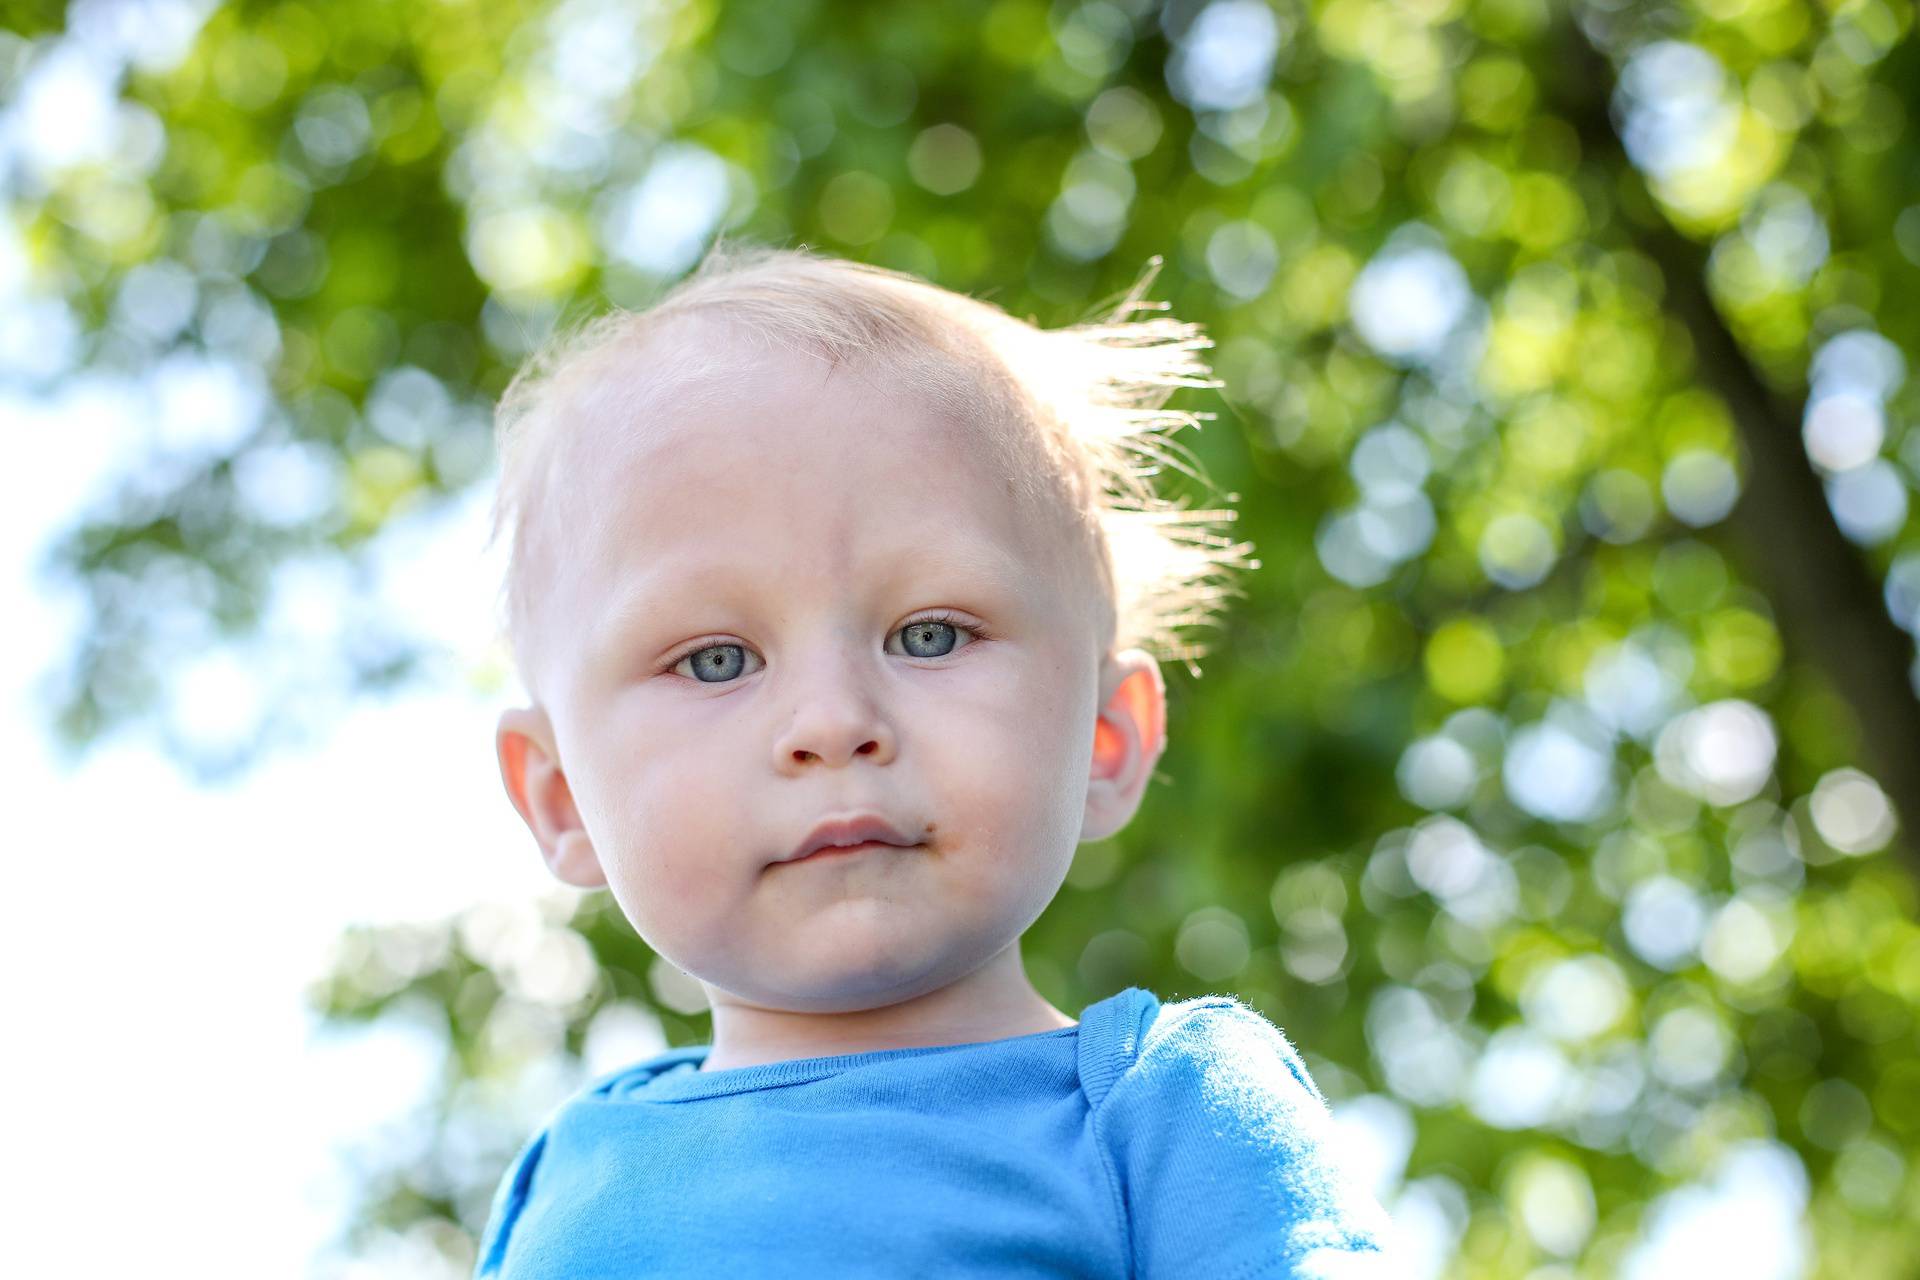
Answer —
938 637
717 663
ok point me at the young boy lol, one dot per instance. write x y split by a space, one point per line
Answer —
829 590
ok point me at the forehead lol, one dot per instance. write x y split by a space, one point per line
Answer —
773 464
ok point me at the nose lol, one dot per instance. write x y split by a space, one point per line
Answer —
835 719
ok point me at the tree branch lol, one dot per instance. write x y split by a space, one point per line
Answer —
1829 605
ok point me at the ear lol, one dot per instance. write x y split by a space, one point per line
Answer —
1127 740
538 789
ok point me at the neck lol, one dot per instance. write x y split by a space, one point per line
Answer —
995 1002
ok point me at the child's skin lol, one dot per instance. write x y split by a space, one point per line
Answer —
807 515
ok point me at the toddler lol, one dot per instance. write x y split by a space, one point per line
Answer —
832 593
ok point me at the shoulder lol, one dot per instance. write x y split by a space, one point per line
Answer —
622 1081
1211 1074
1225 1155
614 1084
516 1183
1221 1045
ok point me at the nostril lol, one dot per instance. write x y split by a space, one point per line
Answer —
866 748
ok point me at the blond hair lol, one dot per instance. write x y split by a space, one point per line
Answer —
1074 416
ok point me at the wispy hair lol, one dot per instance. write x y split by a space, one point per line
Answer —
1076 417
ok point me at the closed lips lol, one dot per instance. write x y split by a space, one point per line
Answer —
841 833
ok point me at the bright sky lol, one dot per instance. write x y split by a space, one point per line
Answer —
160 936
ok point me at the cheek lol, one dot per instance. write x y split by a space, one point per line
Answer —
1011 754
669 812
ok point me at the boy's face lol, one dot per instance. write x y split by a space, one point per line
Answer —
812 598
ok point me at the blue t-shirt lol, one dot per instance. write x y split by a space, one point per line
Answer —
1151 1140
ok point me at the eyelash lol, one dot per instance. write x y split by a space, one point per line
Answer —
952 620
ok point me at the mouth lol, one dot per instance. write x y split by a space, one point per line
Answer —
866 846
853 834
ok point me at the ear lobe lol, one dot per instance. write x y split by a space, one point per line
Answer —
539 792
1128 740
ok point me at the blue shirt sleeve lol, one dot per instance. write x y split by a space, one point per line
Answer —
1226 1157
508 1197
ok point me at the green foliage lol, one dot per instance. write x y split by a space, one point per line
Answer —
1473 554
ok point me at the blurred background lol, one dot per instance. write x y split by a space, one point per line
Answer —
1545 786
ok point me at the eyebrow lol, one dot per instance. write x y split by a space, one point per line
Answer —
987 566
